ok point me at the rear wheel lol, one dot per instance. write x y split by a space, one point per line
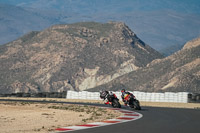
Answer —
137 105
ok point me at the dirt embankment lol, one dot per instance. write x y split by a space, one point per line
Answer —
26 117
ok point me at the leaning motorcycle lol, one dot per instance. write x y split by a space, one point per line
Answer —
133 102
113 101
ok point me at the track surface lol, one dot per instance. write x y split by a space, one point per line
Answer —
154 120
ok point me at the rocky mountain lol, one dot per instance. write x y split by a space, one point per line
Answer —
160 24
178 72
76 56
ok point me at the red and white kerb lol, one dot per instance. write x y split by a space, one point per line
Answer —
126 116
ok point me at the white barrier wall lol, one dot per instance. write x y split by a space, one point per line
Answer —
180 97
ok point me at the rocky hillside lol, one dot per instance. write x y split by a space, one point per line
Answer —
178 72
161 24
71 57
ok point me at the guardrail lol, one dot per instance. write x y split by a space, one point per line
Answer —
179 97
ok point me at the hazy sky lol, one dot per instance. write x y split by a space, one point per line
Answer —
187 6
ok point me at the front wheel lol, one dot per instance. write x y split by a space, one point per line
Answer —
116 104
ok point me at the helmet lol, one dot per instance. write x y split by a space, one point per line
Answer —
123 90
103 93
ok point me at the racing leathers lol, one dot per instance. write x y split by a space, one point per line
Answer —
124 96
105 96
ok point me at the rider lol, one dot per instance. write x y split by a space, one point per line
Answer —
105 94
124 95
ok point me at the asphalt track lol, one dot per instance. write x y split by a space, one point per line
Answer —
154 120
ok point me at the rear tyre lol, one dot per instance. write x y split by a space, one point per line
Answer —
137 105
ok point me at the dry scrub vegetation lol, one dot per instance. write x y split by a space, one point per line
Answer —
26 117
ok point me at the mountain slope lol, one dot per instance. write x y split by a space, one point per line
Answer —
160 24
76 56
178 72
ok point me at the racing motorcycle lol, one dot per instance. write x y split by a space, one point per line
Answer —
132 102
111 99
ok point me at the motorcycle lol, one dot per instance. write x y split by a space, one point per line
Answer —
132 102
113 101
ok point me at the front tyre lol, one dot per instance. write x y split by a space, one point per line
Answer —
116 104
